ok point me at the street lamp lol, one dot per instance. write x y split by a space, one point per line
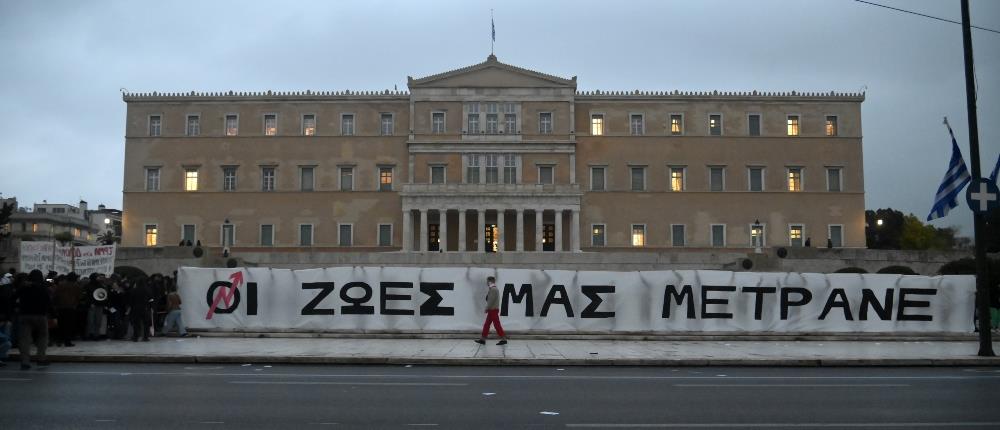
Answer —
878 222
755 234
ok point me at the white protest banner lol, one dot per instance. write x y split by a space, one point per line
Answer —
91 259
83 260
453 299
36 256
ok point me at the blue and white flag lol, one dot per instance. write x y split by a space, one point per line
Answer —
954 181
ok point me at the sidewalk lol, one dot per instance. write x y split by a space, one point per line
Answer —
547 352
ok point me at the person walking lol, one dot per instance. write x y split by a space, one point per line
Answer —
173 317
492 313
139 300
35 307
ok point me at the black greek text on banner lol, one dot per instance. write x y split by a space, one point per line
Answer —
453 299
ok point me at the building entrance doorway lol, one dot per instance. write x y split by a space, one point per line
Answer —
491 237
549 237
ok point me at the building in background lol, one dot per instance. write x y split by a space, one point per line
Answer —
494 158
46 221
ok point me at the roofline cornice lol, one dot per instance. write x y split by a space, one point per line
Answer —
308 95
720 95
491 61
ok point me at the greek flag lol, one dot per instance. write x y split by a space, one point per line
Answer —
953 183
493 27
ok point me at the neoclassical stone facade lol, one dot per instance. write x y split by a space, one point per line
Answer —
494 158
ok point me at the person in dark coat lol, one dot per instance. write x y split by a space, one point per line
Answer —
67 297
140 298
34 309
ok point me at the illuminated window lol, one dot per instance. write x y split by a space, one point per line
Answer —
190 179
676 124
545 174
347 124
387 124
793 125
794 179
677 235
597 179
267 178
545 123
718 235
757 235
472 169
597 235
638 234
309 125
510 169
346 179
385 178
795 235
152 179
270 125
597 125
154 125
676 179
753 122
193 125
437 122
716 178
150 234
636 125
34 228
756 178
831 125
833 179
76 232
232 125
715 125
229 178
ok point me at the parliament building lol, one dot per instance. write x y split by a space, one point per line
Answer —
493 158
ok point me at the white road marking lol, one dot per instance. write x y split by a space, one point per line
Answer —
549 413
789 425
407 384
489 394
788 385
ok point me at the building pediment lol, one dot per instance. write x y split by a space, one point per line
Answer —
491 74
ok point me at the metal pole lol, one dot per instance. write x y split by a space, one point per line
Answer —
982 271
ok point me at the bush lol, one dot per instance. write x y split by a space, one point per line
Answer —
897 270
964 266
851 270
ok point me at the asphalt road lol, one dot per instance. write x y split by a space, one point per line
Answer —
248 396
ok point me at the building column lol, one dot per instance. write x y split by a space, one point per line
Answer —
519 227
423 230
461 229
574 231
443 229
407 230
559 241
480 238
539 228
501 231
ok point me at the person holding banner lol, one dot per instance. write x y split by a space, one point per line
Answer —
492 313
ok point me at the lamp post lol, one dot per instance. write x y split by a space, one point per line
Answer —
755 235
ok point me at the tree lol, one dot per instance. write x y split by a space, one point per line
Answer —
917 235
108 238
63 237
886 235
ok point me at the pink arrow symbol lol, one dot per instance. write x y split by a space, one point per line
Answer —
225 294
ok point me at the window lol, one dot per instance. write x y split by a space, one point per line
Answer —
150 234
756 178
718 235
472 169
347 124
716 178
346 235
548 237
385 178
510 169
677 235
434 237
309 125
437 122
437 174
831 125
833 179
229 178
187 233
597 125
190 179
270 125
597 235
154 125
305 235
41 210
545 123
34 229
267 178
385 235
794 179
757 235
753 120
492 170
266 235
306 181
715 125
836 236
676 124
636 125
152 179
793 125
492 123
473 119
228 235
232 125
346 179
387 124
677 179
638 178
597 179
193 125
58 210
795 235
510 123
638 234
545 174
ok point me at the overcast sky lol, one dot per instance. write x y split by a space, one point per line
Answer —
63 63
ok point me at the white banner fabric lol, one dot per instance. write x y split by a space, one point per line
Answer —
83 260
453 299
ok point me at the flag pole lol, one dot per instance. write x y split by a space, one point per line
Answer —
982 270
493 32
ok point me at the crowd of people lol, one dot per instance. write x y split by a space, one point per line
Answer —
59 309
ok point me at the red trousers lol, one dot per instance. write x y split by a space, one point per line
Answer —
492 316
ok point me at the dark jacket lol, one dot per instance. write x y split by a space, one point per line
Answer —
139 297
33 299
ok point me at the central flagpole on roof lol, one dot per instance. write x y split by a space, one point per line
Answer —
493 32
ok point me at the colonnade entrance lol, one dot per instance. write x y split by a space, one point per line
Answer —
492 230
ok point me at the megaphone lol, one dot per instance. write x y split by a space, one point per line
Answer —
100 294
